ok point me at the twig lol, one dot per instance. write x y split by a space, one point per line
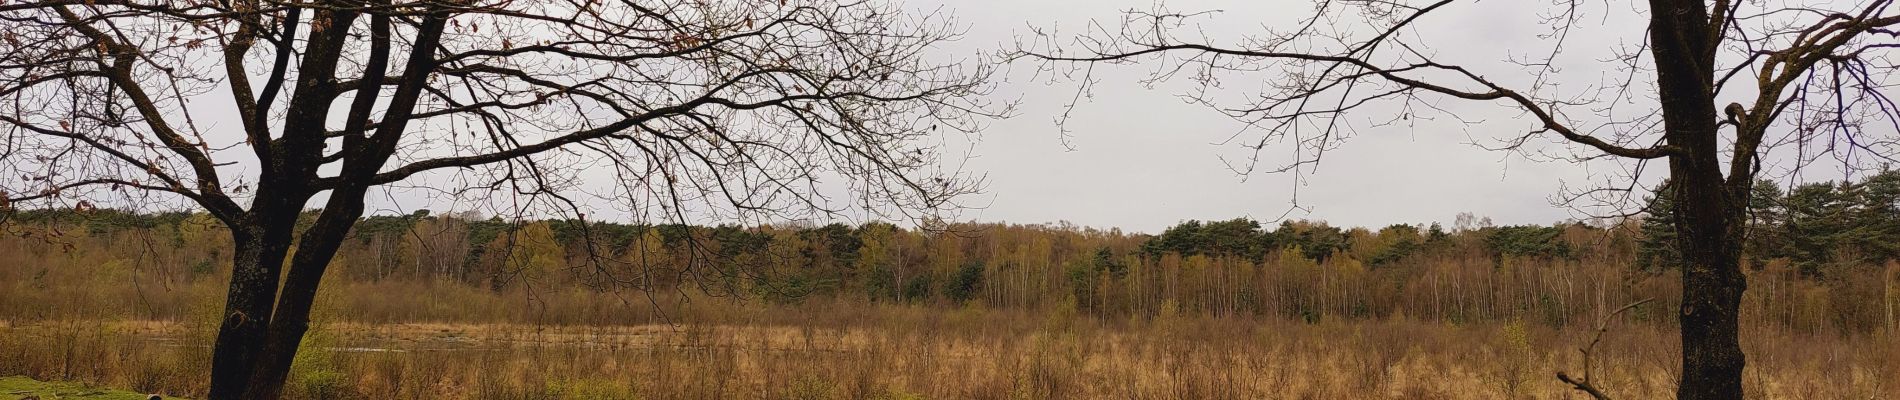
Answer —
1586 383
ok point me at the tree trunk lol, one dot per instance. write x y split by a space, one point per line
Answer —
258 260
1709 211
316 247
259 339
1712 285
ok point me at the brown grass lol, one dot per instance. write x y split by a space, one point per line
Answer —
133 309
845 351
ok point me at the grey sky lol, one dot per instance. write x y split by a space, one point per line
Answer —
1137 157
1144 159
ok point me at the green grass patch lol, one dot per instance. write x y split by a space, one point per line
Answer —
19 387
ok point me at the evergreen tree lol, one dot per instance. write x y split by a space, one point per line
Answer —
1877 236
1767 216
1105 262
1817 224
1657 251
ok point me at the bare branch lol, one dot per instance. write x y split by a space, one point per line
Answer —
1586 384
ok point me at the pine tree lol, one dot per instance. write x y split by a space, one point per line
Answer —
1657 251
1767 219
1878 217
1817 224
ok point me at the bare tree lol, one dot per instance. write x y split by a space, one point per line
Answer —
252 109
1807 75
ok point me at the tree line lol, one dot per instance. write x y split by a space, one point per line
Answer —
1822 229
1559 274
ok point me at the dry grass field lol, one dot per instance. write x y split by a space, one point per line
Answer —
1005 312
843 351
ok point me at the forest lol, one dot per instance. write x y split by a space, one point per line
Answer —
456 304
1824 253
1822 267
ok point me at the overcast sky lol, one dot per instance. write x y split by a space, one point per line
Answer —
1138 158
1144 160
